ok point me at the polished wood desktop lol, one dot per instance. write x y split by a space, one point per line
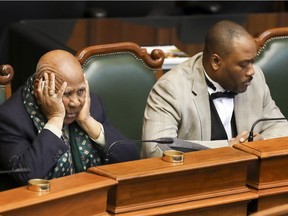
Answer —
207 181
80 194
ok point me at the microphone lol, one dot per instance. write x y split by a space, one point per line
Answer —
250 137
164 140
184 146
18 170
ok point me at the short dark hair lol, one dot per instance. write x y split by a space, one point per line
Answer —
220 37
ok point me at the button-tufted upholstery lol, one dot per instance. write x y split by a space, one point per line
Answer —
273 60
122 74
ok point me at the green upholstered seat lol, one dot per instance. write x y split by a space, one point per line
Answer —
273 60
6 76
122 74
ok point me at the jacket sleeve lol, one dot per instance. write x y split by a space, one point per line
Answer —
21 146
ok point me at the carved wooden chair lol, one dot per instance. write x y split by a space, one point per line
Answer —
122 74
6 76
273 60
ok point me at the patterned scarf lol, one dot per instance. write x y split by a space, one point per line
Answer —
82 153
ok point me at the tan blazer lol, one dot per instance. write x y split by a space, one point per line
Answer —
178 107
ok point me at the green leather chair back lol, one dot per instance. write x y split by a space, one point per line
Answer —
6 76
2 94
273 60
122 74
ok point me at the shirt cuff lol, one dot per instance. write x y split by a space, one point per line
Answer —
101 138
53 129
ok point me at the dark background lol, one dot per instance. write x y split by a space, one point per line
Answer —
14 11
22 46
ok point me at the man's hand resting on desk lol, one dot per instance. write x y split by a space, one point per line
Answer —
243 137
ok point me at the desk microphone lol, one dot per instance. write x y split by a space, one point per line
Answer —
164 140
18 170
250 137
183 146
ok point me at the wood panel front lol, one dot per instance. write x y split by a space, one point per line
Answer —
270 170
235 205
268 175
79 194
154 183
268 198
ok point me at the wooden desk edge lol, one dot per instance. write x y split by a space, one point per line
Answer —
60 188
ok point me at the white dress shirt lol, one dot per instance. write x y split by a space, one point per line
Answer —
224 107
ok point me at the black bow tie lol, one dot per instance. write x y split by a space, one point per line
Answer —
227 94
215 95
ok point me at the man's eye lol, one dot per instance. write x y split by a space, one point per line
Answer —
244 64
67 94
80 92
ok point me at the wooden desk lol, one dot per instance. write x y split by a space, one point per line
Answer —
269 174
207 181
80 194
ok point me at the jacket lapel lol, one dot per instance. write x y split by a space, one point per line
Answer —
201 99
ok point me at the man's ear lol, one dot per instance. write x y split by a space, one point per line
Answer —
215 61
36 83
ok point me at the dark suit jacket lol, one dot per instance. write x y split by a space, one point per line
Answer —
22 146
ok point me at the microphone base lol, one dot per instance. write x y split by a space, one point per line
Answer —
39 185
173 156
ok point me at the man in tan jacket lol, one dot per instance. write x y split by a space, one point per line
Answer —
182 103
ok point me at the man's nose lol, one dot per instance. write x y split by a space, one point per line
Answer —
251 70
74 100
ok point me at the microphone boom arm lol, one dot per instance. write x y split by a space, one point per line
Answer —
251 136
18 170
164 140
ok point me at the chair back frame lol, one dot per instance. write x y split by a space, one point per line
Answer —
272 57
6 76
122 74
269 35
155 59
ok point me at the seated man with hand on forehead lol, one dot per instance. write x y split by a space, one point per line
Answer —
54 126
